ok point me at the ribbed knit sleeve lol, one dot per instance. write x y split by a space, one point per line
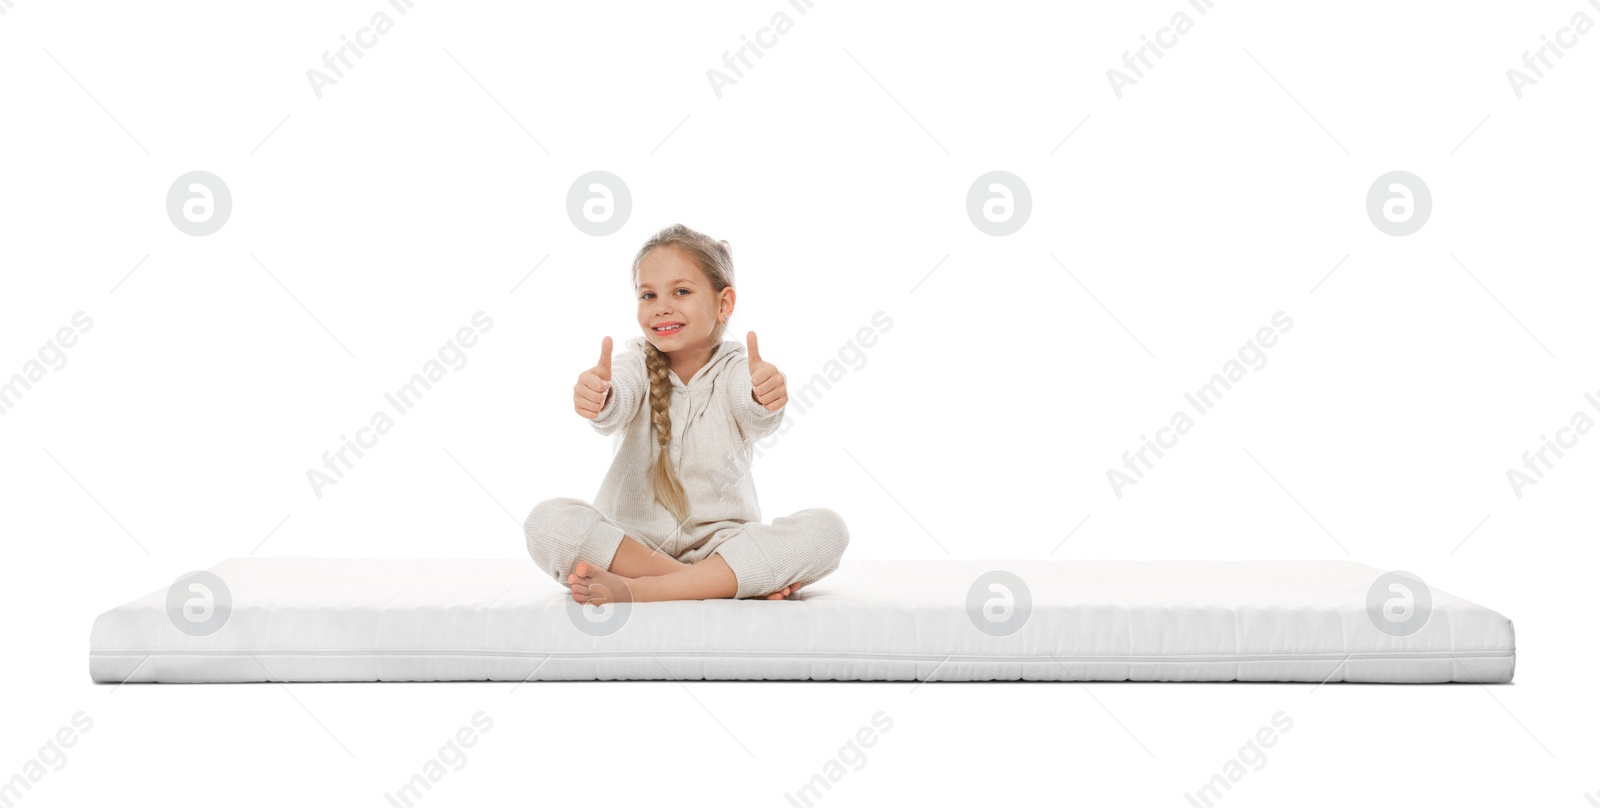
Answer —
753 419
630 386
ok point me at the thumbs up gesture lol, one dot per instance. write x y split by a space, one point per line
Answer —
767 386
594 385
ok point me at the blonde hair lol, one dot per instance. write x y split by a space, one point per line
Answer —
715 258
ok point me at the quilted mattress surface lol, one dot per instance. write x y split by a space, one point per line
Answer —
348 619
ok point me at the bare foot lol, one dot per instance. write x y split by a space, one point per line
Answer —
590 584
784 592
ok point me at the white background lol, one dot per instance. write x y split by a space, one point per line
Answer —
372 223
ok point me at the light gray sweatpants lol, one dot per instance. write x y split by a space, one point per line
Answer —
797 549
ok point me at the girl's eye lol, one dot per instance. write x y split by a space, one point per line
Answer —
683 290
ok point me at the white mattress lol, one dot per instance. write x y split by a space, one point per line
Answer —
346 619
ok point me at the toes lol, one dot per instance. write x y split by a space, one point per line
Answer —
581 575
579 584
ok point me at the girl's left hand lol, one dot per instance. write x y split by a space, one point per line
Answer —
767 386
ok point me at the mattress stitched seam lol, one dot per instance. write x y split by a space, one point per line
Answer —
1218 658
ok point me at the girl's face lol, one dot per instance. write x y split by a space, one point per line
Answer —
678 308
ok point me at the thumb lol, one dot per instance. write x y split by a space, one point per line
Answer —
604 368
750 343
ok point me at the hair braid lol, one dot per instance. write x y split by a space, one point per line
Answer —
668 490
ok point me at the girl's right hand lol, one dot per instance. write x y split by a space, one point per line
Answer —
594 385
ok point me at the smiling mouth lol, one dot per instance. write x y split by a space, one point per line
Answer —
670 328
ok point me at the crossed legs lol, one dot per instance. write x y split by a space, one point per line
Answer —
593 555
640 574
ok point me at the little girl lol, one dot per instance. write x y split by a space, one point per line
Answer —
677 516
